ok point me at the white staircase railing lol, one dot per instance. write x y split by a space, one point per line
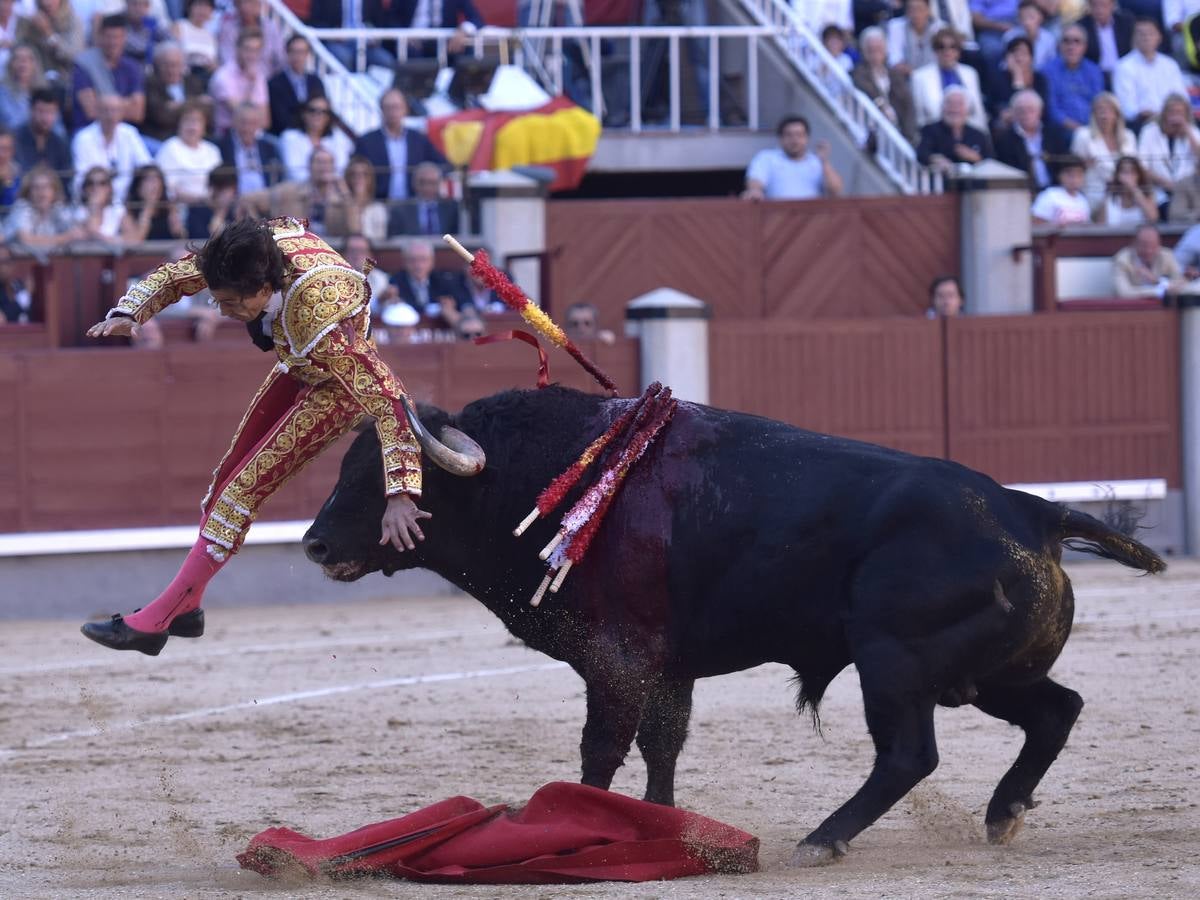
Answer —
354 101
855 109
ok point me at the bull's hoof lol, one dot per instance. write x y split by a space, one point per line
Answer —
1002 831
808 855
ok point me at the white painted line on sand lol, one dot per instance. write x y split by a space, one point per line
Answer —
116 659
295 696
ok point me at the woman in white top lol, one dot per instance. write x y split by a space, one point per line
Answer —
98 214
186 159
1169 145
365 215
1130 196
198 42
296 145
1101 144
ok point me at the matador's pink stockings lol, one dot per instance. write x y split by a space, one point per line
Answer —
182 595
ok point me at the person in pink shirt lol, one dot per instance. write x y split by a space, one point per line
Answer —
240 81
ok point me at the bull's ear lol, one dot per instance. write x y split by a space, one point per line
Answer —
364 423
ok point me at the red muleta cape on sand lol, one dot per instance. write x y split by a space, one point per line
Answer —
566 833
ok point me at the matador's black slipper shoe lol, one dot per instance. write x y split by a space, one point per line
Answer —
116 634
189 625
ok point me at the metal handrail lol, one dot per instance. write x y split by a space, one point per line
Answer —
355 105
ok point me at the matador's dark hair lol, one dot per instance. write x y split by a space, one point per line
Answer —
243 257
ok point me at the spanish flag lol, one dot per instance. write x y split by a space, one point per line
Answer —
560 135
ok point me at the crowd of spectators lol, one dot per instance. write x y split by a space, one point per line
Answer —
123 121
1097 104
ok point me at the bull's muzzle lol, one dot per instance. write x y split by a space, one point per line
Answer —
455 452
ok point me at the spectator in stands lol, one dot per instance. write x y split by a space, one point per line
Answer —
111 143
297 144
8 30
476 294
1030 19
1101 144
145 30
321 196
99 215
790 171
104 70
349 14
22 76
1187 255
1016 75
1130 198
364 214
203 220
38 140
461 15
149 213
1169 147
1065 203
1146 269
293 87
1072 82
910 37
357 250
581 322
1175 14
1030 144
14 298
55 32
992 19
243 149
1144 78
168 87
888 88
469 325
197 40
945 298
10 170
394 150
1109 34
247 15
40 220
833 39
951 142
187 158
432 292
428 212
929 82
1185 200
241 80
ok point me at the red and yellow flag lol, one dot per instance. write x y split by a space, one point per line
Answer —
560 135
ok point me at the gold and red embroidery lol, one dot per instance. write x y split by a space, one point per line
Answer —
333 379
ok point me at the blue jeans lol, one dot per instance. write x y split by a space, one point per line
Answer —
346 52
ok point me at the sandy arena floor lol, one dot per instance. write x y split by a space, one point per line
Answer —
122 775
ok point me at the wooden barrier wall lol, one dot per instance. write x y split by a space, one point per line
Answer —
111 438
1089 396
816 259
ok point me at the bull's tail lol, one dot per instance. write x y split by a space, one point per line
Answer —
1079 531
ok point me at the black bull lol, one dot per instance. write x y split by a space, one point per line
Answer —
738 541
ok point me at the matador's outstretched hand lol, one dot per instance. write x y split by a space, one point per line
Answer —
117 326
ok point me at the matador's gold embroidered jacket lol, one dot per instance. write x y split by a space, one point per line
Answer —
320 334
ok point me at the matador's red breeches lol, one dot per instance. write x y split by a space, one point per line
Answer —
287 425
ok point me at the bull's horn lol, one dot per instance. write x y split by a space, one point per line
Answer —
455 452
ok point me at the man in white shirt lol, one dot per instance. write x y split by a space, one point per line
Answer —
789 171
1144 78
111 144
